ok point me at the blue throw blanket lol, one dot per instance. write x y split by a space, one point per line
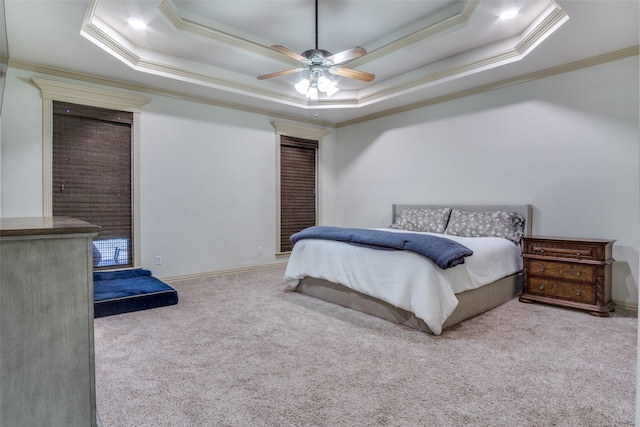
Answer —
444 252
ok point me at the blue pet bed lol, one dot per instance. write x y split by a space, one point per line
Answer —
116 292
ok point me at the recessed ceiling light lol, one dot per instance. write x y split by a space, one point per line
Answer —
137 24
509 13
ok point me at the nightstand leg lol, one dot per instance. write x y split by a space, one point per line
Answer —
599 313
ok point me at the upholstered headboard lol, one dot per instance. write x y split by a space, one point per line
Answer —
523 210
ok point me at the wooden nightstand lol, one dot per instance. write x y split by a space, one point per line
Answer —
569 272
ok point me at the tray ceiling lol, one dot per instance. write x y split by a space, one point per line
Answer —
214 50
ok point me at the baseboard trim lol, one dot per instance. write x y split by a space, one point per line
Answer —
223 272
626 305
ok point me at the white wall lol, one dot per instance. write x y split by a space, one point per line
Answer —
207 184
567 144
21 150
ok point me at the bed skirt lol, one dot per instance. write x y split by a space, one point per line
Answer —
470 303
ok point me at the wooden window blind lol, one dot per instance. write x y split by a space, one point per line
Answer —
297 187
92 176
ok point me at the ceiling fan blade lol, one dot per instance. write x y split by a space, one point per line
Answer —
352 74
279 73
347 55
288 52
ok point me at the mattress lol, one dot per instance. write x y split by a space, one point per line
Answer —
403 279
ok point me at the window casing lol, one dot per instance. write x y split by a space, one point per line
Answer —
58 91
303 145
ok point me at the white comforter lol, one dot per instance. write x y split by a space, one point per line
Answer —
405 279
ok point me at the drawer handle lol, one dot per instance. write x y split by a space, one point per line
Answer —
578 293
542 268
578 273
541 249
578 253
541 287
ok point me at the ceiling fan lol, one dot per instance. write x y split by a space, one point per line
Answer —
319 61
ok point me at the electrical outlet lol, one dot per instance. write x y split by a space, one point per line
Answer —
158 260
259 250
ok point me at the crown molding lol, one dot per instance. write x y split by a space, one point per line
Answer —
93 31
451 68
114 83
174 16
547 23
577 65
551 20
458 15
549 72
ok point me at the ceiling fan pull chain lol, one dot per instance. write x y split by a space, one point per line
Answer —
316 24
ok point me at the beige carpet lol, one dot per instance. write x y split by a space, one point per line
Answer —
238 350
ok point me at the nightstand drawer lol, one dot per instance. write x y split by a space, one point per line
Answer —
561 250
561 270
579 292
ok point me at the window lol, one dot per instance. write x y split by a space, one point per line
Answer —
94 97
298 200
297 187
92 178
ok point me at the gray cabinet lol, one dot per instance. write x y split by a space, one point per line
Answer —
46 322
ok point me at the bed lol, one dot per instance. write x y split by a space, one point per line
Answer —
407 288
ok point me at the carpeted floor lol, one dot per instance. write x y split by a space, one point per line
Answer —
240 351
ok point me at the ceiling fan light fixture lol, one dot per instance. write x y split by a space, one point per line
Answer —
302 86
327 86
312 93
320 84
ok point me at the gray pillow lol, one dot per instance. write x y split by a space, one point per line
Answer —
422 219
509 225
